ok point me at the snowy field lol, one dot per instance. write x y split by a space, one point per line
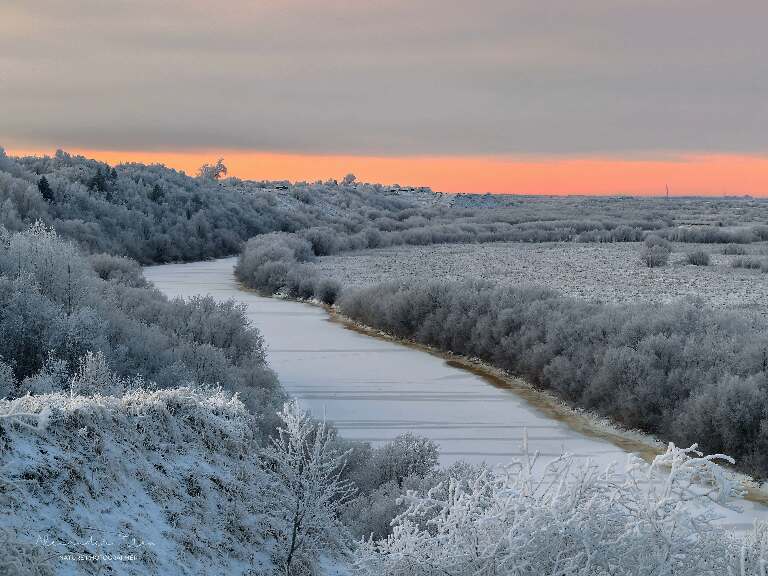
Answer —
610 272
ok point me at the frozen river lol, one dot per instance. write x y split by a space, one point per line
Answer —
374 389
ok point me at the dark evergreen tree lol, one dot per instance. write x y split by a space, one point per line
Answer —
98 182
45 189
156 194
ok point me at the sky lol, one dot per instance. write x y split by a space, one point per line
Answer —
594 96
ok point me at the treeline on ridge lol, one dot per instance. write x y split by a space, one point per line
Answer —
155 214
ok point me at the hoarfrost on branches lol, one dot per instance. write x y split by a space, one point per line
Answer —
571 519
212 171
305 492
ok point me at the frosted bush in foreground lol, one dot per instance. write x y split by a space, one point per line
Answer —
572 520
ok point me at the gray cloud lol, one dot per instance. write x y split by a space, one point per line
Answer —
395 77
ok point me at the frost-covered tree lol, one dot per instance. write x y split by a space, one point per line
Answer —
98 182
212 171
304 493
94 377
57 267
156 194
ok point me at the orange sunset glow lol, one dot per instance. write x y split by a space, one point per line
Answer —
701 174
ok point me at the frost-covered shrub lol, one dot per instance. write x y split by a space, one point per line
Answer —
30 324
119 269
53 377
371 515
751 263
324 240
621 233
273 263
327 290
734 249
654 255
625 233
655 251
300 283
20 201
570 519
655 240
761 231
56 267
727 415
711 235
406 455
7 381
267 261
698 258
372 512
382 475
94 377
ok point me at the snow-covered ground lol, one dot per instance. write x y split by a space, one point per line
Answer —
605 272
157 482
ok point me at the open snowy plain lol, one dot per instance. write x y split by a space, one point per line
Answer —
607 272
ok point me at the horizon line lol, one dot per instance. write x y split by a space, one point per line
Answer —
692 175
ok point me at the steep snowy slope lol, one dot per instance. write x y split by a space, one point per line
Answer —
161 482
